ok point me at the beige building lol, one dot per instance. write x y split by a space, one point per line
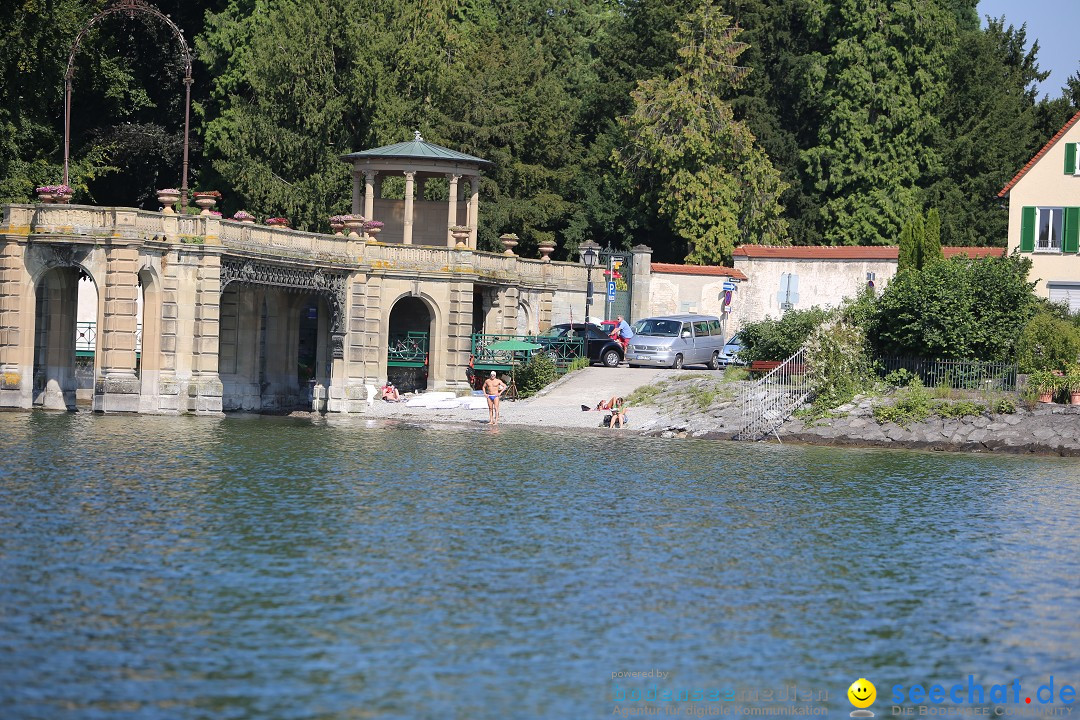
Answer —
1044 215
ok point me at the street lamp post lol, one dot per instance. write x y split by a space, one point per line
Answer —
590 253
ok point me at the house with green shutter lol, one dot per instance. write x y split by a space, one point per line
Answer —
1044 215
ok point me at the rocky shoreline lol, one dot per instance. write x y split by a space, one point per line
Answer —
1046 429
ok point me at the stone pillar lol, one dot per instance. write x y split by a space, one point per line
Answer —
205 380
451 215
406 236
58 300
16 339
356 191
117 388
474 209
369 194
358 367
642 279
458 343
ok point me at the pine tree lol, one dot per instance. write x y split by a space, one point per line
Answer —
907 258
883 78
713 184
931 246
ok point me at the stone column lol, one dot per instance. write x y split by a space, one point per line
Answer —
204 361
356 191
406 236
369 194
116 388
451 216
474 209
642 280
16 340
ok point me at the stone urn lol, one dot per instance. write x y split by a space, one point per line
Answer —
372 228
64 197
509 241
206 202
546 247
1074 398
168 198
353 224
461 235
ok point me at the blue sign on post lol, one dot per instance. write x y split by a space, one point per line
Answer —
728 285
611 291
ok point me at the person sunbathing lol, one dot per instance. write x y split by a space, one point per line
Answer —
603 404
390 393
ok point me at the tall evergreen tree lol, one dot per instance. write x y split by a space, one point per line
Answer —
716 187
931 247
882 81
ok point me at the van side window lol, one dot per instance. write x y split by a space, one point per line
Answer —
715 329
701 328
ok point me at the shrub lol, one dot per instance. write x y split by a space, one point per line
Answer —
771 339
1003 406
1047 343
534 375
1045 381
912 405
961 308
836 358
899 378
579 363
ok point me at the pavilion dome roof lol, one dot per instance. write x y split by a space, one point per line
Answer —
416 149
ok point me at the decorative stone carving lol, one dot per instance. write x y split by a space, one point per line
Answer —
330 285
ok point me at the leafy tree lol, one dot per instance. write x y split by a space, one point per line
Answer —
961 308
1048 342
715 186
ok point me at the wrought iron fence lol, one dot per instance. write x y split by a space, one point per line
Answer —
86 338
562 351
408 349
953 374
772 399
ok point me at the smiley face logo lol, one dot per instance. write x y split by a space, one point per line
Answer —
862 693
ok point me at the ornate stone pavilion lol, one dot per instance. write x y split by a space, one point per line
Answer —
416 220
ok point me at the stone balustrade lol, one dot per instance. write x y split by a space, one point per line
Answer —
75 221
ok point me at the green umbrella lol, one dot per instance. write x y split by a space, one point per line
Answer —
513 346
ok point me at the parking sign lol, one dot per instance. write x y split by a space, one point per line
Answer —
611 291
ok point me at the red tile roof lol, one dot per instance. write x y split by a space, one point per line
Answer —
851 252
1038 155
715 270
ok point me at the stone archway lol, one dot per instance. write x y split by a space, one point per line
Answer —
149 363
410 332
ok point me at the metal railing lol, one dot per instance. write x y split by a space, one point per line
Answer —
86 338
954 374
772 399
408 349
562 351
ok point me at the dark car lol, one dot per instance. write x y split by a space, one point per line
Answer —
560 343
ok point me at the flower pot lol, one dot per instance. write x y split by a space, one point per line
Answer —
1074 398
249 221
354 225
46 198
205 203
167 200
373 232
64 198
1047 396
545 252
336 228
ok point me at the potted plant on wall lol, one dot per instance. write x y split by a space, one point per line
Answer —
1045 383
1072 383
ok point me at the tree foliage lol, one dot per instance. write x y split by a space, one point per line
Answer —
702 166
852 114
780 338
962 308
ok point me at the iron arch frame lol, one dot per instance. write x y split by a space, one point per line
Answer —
131 7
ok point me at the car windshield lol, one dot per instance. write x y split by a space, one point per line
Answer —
657 327
554 332
734 340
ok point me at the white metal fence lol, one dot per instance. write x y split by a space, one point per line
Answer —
772 399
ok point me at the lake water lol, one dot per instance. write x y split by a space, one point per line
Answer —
177 567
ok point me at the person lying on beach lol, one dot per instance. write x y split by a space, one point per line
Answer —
390 393
604 404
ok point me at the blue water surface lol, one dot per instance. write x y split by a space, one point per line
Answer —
247 567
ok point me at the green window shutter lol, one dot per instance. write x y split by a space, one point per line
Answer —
1071 239
1070 158
1027 229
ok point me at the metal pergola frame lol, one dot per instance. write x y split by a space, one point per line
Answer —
131 7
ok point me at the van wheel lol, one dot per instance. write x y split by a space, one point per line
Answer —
678 362
611 358
714 364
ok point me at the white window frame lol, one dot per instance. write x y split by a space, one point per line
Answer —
1060 229
1076 166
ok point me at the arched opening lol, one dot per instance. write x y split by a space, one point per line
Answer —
148 341
56 315
274 347
86 340
409 334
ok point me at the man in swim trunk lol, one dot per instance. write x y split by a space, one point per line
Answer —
493 390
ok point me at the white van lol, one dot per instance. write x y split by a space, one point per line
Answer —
677 340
